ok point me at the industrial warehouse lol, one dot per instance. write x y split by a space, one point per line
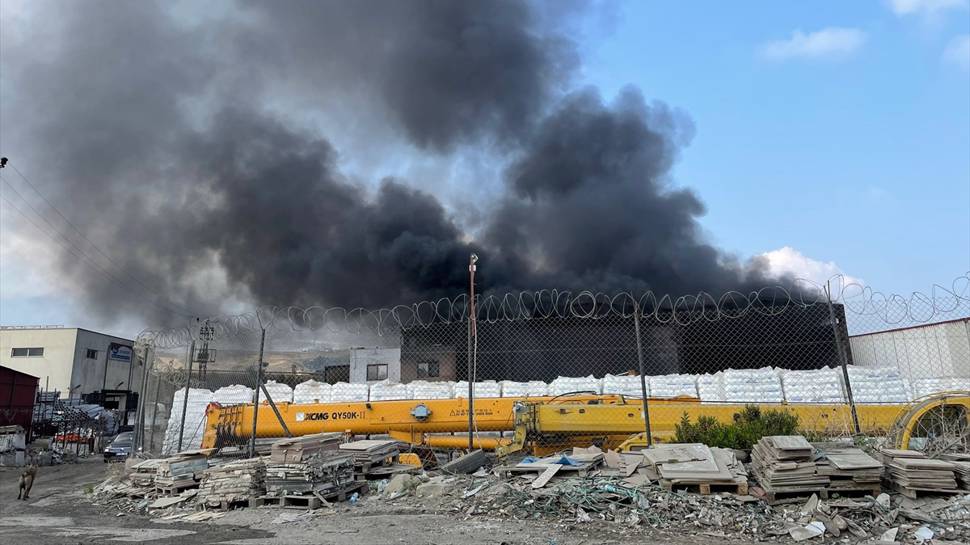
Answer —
484 272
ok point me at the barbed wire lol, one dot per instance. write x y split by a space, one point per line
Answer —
857 299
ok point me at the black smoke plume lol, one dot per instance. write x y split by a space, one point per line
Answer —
186 143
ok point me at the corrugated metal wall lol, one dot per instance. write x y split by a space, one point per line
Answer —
924 352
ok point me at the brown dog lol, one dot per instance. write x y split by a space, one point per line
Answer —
27 481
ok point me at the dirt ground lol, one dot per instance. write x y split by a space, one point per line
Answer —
59 512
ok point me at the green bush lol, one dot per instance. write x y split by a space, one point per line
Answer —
750 425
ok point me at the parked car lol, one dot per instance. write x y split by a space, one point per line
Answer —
120 447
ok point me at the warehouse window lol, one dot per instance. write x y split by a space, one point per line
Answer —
26 352
428 369
92 354
377 371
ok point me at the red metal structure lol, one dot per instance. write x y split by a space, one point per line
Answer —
17 391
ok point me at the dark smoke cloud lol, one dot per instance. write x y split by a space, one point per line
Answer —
180 143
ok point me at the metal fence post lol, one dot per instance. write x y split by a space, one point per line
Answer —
185 398
259 383
472 347
643 376
140 408
842 358
151 434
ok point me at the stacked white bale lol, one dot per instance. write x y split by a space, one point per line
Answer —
533 388
236 394
344 392
960 383
281 393
488 388
626 385
752 385
924 386
878 385
565 385
813 386
388 391
710 388
311 391
674 385
420 389
199 399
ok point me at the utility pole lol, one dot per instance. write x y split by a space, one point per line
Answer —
842 357
643 376
140 408
206 333
259 384
185 398
472 349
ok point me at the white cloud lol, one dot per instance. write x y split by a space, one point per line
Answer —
828 42
789 261
958 51
924 7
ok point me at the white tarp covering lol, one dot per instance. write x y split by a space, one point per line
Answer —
877 385
711 387
673 386
565 385
388 391
234 394
488 388
420 389
311 391
533 388
813 386
281 393
627 385
752 385
199 399
343 392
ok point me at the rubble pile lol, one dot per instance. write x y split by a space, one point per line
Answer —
849 469
318 474
912 473
182 470
784 465
235 481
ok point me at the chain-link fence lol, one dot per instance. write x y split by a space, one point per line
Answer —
572 370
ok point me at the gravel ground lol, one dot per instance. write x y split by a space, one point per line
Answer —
59 513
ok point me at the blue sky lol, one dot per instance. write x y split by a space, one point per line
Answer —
838 129
860 156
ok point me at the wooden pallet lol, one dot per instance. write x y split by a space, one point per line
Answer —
873 491
706 489
348 490
776 496
293 501
915 493
175 490
225 505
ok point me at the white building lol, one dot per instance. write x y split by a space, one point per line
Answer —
73 361
365 365
923 352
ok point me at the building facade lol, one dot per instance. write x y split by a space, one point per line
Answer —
927 351
73 361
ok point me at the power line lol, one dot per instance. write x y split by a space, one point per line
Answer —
72 248
86 239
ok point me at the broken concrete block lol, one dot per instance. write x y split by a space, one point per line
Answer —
399 484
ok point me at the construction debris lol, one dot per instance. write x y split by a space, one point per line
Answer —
849 469
912 474
323 474
232 483
182 470
698 467
296 449
785 467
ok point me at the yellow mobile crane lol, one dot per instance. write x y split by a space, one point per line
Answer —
542 424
